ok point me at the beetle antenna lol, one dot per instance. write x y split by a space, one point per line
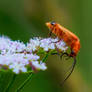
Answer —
73 65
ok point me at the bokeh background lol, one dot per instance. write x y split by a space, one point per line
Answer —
23 19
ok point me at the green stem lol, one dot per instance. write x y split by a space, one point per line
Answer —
24 83
45 58
10 84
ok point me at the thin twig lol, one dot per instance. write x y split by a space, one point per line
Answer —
24 83
10 84
45 58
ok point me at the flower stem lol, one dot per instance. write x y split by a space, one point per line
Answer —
24 83
45 58
10 84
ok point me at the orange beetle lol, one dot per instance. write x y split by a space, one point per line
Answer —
70 38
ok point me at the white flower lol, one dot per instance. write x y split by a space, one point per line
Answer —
17 67
15 55
33 44
39 66
17 62
32 57
47 44
43 66
4 44
54 40
61 45
16 46
8 46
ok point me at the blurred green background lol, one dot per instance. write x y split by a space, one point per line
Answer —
23 19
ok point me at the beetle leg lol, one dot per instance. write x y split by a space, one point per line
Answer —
55 53
50 33
64 54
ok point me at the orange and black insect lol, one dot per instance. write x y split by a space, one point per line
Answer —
70 38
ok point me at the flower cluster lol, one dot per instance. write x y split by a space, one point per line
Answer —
46 44
18 57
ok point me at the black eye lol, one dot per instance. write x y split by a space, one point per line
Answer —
72 52
53 23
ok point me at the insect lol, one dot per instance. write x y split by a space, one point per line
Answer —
70 38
